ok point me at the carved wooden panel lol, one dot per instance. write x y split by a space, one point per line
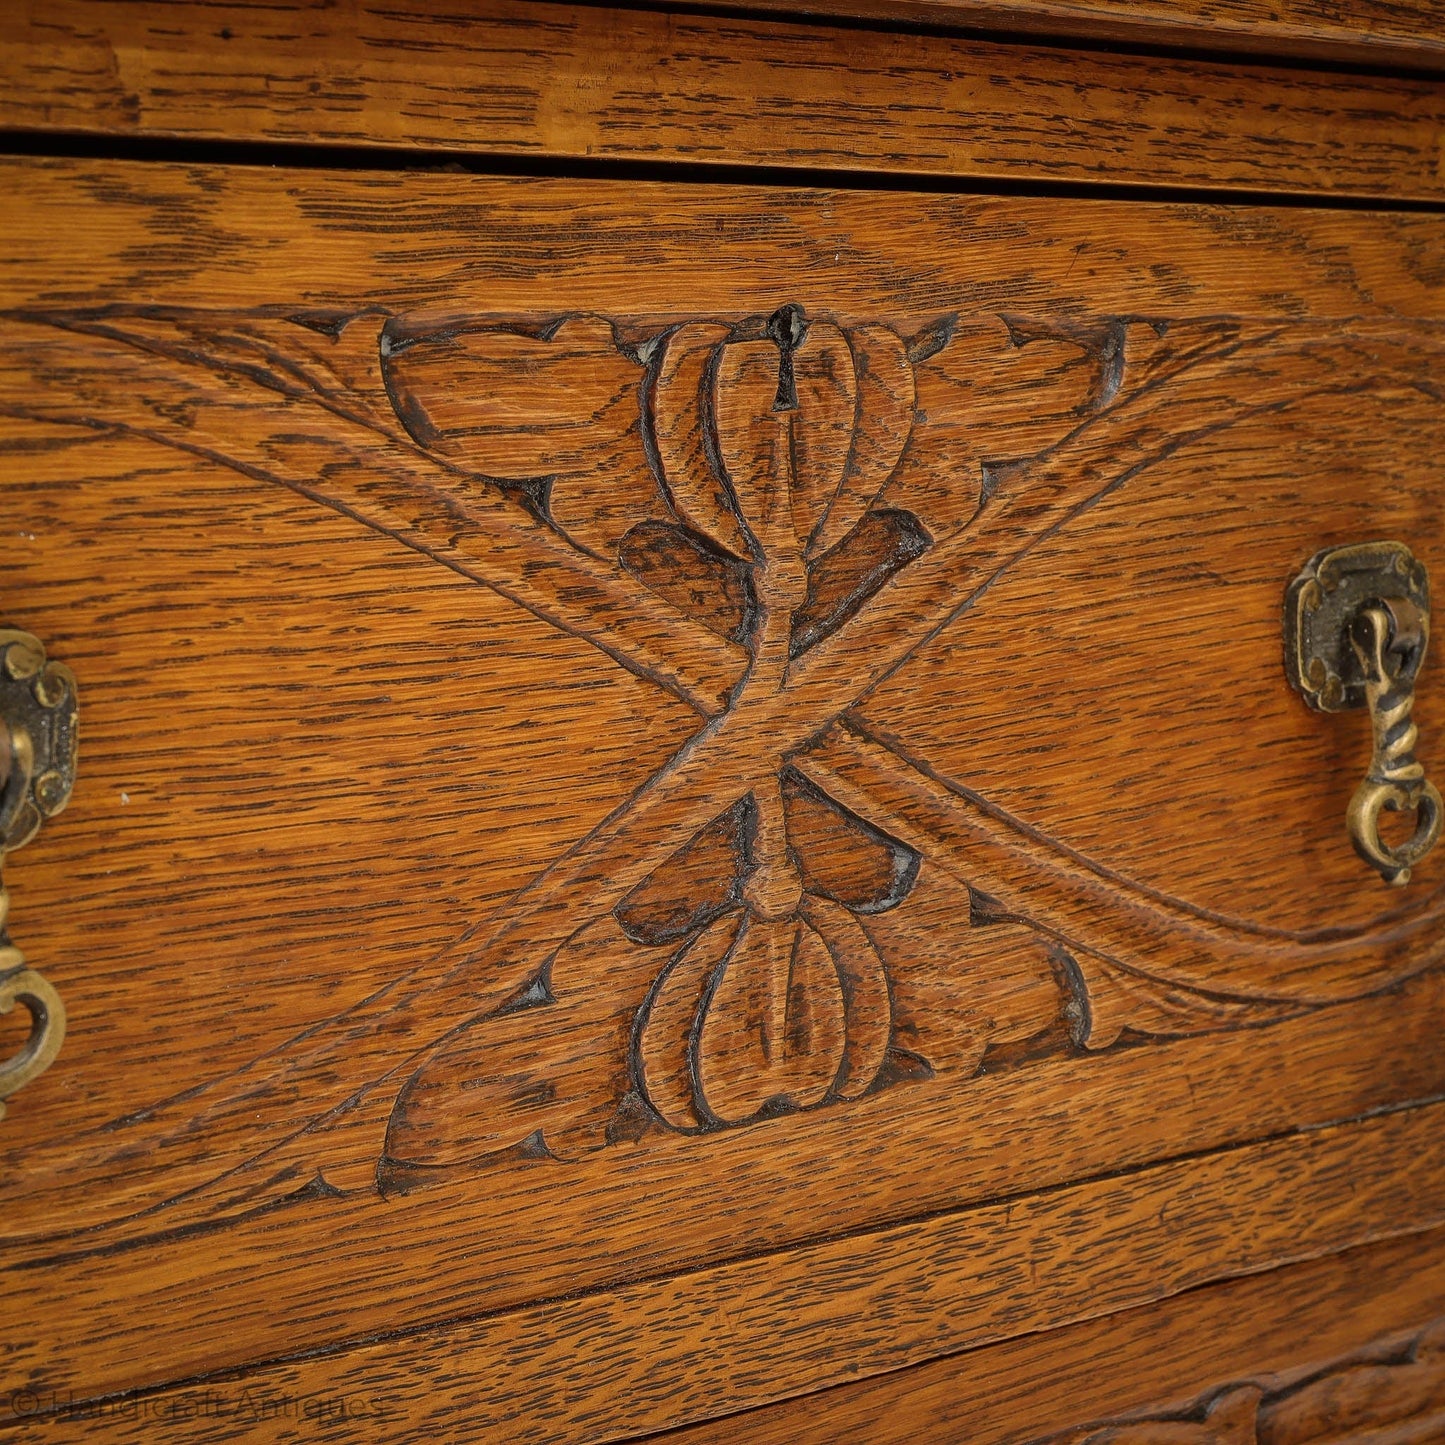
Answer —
594 768
729 510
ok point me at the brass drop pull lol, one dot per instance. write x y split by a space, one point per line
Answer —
1356 624
38 740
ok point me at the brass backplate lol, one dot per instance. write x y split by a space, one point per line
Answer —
1321 605
39 739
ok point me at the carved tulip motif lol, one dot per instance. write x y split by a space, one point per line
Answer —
776 999
772 441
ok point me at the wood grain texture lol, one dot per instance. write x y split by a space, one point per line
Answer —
494 602
1409 33
631 1360
1290 1327
578 82
1391 1393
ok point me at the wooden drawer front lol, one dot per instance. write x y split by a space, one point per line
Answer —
509 860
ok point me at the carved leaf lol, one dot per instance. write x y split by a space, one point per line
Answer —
962 991
772 1034
544 1075
330 359
699 881
1395 1400
1365 1398
711 586
509 404
1007 390
1230 1420
1112 999
556 415
841 581
841 856
675 411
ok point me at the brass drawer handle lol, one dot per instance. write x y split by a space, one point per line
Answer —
1356 624
38 743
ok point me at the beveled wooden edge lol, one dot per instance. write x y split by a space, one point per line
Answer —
1410 38
526 79
643 1357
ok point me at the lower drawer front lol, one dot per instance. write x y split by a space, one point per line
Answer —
640 729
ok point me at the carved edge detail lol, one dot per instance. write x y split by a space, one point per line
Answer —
1387 1391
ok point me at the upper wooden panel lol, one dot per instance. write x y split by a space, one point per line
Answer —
1398 33
626 725
567 82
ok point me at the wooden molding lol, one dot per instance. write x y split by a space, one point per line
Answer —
644 86
1409 35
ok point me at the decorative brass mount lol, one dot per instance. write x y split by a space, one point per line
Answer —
38 743
1356 624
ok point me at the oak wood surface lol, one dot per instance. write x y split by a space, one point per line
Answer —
1410 34
581 83
1304 1324
631 1360
448 724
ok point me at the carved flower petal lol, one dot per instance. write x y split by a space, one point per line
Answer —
827 392
753 443
667 1020
772 1032
868 1008
886 398
674 422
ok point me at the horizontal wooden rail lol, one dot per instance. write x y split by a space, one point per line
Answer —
642 1357
575 83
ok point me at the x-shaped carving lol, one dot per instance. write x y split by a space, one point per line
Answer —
192 385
